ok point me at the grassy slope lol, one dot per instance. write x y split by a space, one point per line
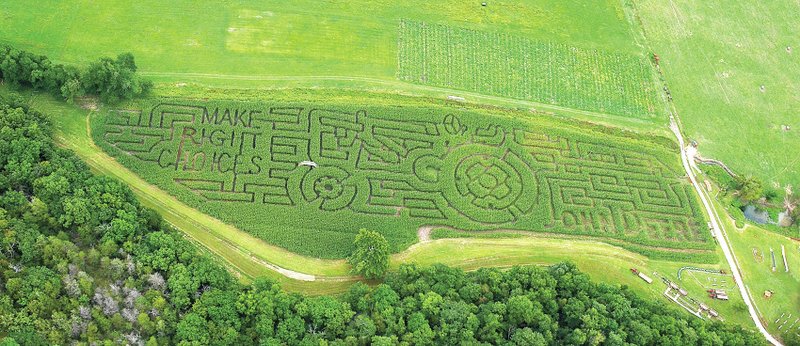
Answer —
760 278
377 91
715 56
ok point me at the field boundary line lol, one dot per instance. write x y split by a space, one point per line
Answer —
410 86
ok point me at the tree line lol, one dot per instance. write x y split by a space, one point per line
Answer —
110 79
82 261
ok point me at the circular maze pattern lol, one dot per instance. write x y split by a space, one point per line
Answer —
330 186
488 184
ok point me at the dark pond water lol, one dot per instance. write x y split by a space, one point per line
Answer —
758 216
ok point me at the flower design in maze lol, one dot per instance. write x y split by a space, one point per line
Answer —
330 187
488 184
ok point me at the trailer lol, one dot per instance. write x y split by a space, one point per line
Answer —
718 294
641 275
785 263
772 253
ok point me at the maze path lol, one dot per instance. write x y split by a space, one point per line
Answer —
449 169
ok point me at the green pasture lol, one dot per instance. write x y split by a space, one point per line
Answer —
287 38
715 56
751 246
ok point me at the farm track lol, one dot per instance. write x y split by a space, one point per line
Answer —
721 235
424 233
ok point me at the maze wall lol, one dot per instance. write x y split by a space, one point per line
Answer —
398 168
515 67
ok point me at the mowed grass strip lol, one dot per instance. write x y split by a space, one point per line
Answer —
394 169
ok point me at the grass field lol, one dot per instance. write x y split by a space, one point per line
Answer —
785 302
716 55
238 161
316 43
287 38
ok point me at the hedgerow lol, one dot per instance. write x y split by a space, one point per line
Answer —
393 169
510 66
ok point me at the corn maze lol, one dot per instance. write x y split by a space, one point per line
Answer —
504 65
394 169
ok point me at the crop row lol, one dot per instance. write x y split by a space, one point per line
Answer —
511 66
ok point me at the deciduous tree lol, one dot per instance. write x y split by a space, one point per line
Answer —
371 255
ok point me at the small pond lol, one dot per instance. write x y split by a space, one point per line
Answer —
758 216
762 217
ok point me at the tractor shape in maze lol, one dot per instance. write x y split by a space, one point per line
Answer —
439 168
